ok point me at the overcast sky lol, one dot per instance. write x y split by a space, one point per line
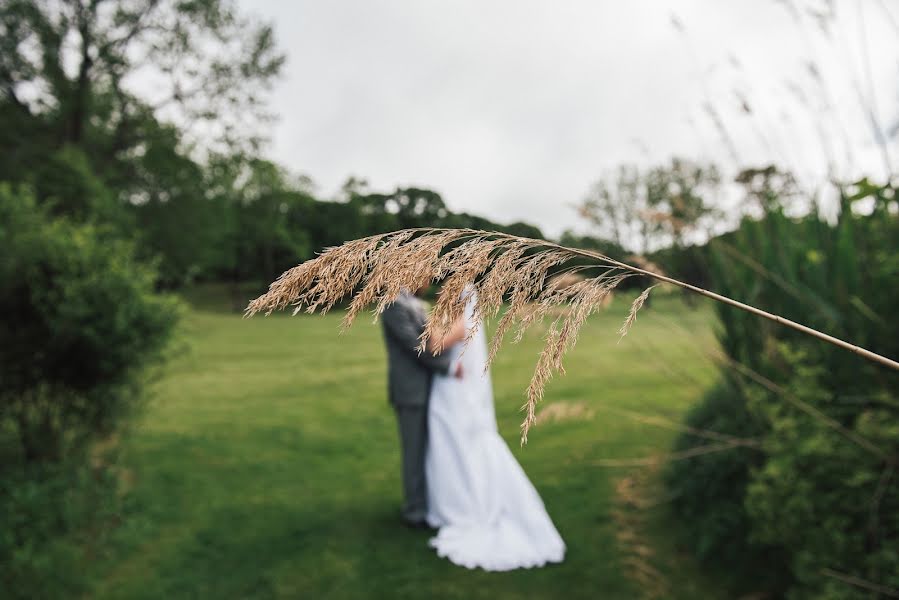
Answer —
512 108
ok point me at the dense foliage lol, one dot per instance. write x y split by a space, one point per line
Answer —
55 515
83 320
820 500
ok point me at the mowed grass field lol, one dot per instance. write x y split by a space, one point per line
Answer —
266 464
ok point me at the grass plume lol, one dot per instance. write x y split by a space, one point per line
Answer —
501 268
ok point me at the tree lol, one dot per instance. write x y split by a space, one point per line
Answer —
768 189
72 61
678 199
403 208
115 95
642 211
616 207
180 224
262 236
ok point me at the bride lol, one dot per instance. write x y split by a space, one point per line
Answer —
488 513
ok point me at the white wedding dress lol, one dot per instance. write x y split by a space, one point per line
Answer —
488 513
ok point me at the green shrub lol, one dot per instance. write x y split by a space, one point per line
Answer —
832 504
821 496
709 491
54 516
81 324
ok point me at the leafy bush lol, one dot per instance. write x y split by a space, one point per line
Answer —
53 514
82 322
831 503
709 491
821 499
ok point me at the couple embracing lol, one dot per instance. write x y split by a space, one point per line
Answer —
459 475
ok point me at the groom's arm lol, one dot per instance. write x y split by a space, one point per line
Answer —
406 327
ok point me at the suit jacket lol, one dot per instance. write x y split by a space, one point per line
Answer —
409 373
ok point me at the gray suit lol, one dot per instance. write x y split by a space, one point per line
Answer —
409 387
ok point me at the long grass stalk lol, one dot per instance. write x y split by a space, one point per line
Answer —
498 266
759 379
872 356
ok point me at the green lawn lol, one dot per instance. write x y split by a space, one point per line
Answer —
266 464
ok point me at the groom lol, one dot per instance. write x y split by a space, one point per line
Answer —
409 387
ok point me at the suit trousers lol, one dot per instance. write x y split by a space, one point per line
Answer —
413 426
